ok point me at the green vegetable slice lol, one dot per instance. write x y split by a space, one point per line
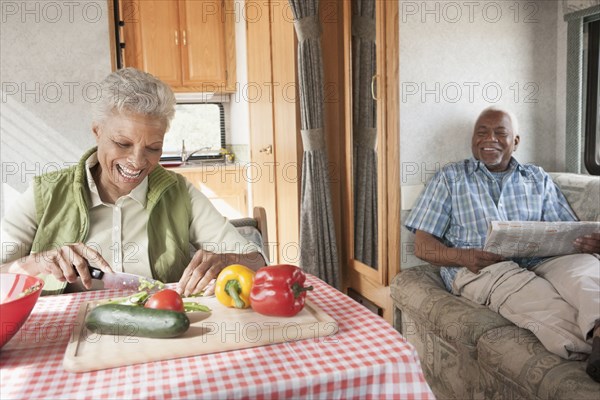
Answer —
191 306
148 285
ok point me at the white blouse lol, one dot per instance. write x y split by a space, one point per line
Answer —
119 231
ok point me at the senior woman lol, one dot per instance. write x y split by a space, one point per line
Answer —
118 209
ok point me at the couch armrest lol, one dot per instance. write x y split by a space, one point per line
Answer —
420 292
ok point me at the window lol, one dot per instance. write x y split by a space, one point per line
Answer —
592 95
582 149
197 132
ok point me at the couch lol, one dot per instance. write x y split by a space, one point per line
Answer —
470 352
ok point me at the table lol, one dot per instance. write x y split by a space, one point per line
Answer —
367 358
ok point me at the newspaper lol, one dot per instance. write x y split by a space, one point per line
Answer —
536 239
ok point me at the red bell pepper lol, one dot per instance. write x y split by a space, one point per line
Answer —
279 290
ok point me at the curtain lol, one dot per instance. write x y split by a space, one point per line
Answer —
318 248
364 128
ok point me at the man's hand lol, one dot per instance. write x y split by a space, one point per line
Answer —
475 260
588 243
430 249
64 263
205 267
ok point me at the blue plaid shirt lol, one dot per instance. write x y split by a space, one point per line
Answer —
460 201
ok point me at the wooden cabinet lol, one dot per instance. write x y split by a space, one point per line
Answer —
189 44
225 185
371 251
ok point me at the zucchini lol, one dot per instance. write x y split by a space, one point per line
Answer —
124 320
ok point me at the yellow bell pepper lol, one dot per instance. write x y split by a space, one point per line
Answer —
233 286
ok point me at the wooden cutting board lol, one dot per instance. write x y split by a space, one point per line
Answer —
222 329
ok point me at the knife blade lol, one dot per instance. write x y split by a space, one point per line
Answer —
125 281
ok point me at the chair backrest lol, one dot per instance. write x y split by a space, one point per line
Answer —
255 229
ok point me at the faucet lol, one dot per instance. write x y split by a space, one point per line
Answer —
185 156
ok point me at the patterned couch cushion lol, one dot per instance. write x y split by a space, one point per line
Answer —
582 193
421 292
515 357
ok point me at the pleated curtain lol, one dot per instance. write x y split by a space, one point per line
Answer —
318 248
364 135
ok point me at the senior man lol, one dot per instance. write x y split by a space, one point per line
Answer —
557 298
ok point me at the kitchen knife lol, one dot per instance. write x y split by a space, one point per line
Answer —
125 281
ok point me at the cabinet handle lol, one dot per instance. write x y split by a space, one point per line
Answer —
267 150
373 79
184 39
176 38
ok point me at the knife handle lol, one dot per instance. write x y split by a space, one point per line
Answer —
96 273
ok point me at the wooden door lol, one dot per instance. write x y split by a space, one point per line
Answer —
258 36
203 44
274 124
370 283
286 123
160 39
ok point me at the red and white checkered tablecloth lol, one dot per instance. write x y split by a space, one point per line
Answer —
367 358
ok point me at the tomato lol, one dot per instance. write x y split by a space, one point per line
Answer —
166 299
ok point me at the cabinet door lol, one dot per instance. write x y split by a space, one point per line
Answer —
160 39
224 185
372 208
203 44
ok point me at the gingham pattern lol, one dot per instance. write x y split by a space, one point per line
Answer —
366 359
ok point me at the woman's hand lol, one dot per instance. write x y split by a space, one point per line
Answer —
65 263
200 272
205 266
588 243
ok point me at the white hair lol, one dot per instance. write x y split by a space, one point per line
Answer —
511 115
134 91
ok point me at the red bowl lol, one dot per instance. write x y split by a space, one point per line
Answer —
171 164
18 295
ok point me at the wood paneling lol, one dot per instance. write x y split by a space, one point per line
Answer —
392 183
111 35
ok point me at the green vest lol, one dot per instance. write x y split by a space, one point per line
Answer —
62 199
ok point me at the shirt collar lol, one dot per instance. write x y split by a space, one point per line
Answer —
139 193
472 165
